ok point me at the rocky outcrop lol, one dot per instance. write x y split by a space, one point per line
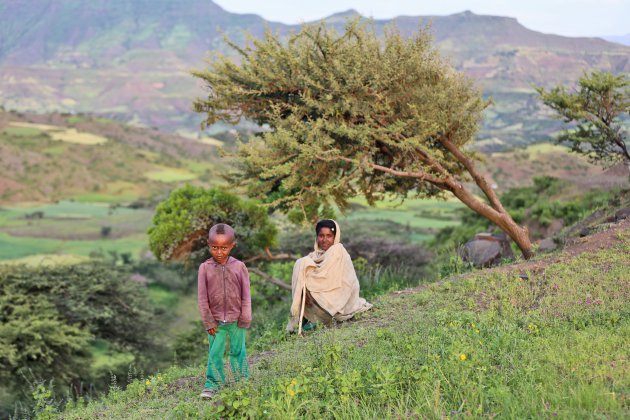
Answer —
486 250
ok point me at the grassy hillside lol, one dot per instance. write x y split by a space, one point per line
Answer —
539 339
52 157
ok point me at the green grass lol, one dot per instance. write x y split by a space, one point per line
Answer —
487 345
12 247
71 228
424 215
22 131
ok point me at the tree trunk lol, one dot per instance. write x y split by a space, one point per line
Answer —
518 234
495 212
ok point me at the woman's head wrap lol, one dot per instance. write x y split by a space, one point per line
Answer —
330 224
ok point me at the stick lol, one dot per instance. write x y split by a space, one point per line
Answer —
302 310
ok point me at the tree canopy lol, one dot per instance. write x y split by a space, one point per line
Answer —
598 106
50 316
351 114
181 223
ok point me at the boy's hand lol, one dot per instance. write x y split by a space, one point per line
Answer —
213 331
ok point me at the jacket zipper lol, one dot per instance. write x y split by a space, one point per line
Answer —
224 293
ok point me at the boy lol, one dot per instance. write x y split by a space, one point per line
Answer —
225 305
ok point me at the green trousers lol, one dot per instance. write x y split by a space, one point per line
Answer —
215 376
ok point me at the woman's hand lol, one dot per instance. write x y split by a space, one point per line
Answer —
213 331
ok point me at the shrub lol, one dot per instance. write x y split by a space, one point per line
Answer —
189 212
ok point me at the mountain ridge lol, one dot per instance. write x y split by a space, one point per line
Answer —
132 60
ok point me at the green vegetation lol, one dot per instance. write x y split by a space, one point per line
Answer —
103 161
51 316
490 344
70 227
424 215
22 131
536 206
600 107
181 223
342 127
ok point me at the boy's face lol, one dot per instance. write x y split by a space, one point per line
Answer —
325 238
220 246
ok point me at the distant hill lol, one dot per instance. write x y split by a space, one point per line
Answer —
53 157
131 60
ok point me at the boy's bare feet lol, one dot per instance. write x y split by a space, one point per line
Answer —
208 393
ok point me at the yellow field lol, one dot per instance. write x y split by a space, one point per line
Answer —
69 135
211 141
170 175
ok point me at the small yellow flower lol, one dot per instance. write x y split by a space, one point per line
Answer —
293 381
472 324
477 331
148 382
462 357
291 392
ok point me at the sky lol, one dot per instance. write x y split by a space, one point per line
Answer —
561 17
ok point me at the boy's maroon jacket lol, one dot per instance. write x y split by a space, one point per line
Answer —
223 293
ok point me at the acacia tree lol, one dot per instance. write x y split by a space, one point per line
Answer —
181 222
349 114
597 106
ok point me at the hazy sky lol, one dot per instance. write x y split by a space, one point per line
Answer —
562 17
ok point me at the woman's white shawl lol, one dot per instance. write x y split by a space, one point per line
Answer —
330 278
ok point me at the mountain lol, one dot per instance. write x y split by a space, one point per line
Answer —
132 60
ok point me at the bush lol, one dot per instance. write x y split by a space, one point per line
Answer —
189 212
50 316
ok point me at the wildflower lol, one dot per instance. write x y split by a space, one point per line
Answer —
472 324
477 331
293 381
291 392
147 382
462 357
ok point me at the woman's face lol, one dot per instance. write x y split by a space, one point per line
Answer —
325 238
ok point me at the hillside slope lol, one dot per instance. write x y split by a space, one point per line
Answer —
52 157
132 59
539 339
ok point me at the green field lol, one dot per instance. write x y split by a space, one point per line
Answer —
71 228
422 218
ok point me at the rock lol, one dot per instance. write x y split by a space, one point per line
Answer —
585 232
622 214
486 250
546 245
556 226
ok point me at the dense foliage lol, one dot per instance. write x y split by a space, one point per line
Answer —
51 316
182 222
351 114
599 106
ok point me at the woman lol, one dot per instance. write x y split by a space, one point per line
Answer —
324 284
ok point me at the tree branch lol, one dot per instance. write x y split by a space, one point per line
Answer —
268 256
269 278
477 177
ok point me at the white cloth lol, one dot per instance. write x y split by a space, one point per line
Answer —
330 278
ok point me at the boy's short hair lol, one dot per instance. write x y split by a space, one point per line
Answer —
221 229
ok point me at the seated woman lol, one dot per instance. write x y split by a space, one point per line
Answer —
324 284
